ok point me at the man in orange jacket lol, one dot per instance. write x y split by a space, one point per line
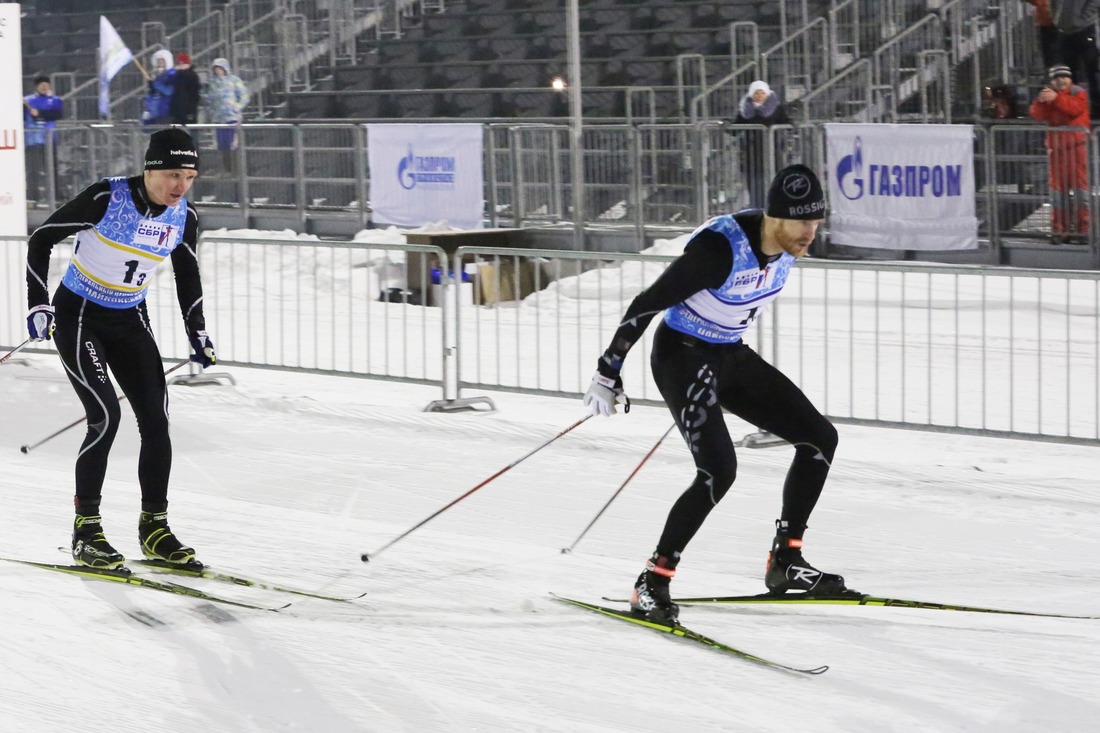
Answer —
1064 104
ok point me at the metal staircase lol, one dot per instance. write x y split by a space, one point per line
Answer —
883 60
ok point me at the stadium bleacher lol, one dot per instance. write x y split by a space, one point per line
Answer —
499 45
63 35
470 45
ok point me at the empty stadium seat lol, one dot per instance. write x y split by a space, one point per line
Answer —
521 44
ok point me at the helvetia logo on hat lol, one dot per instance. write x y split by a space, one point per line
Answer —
192 153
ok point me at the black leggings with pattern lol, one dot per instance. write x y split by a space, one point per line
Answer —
697 379
90 339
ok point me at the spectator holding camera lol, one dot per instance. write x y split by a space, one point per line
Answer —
1065 104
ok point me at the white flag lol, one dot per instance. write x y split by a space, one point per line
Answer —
113 55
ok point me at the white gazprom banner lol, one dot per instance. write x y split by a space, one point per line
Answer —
13 184
902 186
421 174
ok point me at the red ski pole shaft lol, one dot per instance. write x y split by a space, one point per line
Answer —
366 556
567 550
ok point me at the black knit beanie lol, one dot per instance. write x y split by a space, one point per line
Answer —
171 148
796 194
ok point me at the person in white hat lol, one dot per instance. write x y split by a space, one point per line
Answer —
760 106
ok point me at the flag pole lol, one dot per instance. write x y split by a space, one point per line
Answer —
141 68
99 76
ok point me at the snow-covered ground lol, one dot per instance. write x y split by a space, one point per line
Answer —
289 477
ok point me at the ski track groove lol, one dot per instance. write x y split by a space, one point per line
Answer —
348 466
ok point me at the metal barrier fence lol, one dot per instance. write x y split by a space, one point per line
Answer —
299 305
634 176
974 349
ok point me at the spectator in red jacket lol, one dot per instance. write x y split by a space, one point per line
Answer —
1064 104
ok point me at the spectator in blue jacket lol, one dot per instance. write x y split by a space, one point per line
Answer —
41 111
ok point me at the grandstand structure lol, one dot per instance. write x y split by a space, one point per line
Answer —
496 59
660 84
272 44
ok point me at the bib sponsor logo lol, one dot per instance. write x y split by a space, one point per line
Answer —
751 280
746 278
155 234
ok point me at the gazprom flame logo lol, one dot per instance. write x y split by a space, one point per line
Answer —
851 168
426 171
405 173
905 173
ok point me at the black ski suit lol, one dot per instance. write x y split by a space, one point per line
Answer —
91 338
698 379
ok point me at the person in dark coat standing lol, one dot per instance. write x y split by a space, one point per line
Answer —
1076 23
183 107
760 106
41 111
1047 31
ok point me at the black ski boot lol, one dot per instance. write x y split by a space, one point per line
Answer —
90 547
159 543
651 598
788 570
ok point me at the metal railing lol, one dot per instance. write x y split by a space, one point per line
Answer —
635 176
985 42
970 349
903 41
796 64
896 62
845 33
273 303
847 97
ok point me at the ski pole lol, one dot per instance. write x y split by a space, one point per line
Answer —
365 557
567 550
73 424
14 351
